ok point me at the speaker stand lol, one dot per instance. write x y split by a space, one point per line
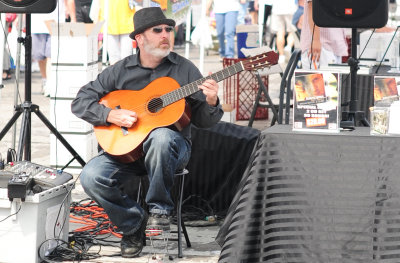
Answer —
28 107
353 118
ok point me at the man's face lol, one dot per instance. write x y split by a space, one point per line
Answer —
318 83
156 40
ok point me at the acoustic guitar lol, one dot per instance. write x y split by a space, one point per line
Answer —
160 104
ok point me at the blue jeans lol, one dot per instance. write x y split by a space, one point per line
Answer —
242 13
226 29
166 151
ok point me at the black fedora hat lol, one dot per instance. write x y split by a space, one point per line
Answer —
149 17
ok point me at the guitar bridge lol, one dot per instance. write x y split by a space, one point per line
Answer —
124 129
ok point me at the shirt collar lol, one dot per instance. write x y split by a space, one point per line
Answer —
134 60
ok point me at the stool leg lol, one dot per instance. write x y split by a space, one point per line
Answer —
188 244
181 181
139 191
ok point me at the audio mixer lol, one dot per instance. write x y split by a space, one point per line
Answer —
42 177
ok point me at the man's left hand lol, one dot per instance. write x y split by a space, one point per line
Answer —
210 90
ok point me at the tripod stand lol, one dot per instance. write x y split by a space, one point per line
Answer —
353 117
27 107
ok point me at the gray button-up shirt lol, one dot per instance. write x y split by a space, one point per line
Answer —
128 74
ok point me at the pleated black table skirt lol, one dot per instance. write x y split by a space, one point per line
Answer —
316 198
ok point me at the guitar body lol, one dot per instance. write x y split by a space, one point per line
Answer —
160 104
126 146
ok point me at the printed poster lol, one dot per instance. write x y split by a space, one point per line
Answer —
174 9
316 100
386 87
386 92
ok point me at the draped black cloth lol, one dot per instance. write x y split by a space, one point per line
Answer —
316 197
219 158
220 155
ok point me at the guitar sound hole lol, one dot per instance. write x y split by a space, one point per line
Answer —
155 105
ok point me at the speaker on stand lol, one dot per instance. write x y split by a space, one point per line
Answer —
351 14
27 107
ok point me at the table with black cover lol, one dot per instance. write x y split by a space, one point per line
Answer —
316 197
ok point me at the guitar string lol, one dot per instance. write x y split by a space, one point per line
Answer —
192 87
171 97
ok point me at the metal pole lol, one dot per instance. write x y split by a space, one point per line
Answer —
17 75
2 45
188 27
28 87
105 33
203 18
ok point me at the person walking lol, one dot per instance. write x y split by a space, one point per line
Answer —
281 25
41 38
226 14
320 46
119 25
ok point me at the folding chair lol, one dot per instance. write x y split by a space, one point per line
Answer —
285 87
264 100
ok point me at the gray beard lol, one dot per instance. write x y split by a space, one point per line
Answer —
156 52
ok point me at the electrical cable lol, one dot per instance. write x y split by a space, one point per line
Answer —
56 79
197 215
97 230
390 43
4 219
72 251
312 40
63 202
55 124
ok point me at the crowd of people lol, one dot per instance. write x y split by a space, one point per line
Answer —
288 21
284 22
120 17
228 14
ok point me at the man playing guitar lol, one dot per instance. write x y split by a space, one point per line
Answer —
161 150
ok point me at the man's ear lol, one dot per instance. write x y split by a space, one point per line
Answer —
138 37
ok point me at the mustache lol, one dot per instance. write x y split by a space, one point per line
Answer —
166 41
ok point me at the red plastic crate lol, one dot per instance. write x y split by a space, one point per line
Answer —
240 90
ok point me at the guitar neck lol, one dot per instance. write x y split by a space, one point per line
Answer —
193 87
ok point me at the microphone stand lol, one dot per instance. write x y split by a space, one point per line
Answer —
353 117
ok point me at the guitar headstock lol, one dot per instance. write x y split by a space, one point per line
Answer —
260 61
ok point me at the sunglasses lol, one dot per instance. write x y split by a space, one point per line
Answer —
158 30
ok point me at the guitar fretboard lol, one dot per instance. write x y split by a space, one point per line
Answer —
191 88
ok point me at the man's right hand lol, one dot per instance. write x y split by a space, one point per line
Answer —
122 117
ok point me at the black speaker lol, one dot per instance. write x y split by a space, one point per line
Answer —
27 6
350 13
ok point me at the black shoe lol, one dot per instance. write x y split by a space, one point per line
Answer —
132 245
158 222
